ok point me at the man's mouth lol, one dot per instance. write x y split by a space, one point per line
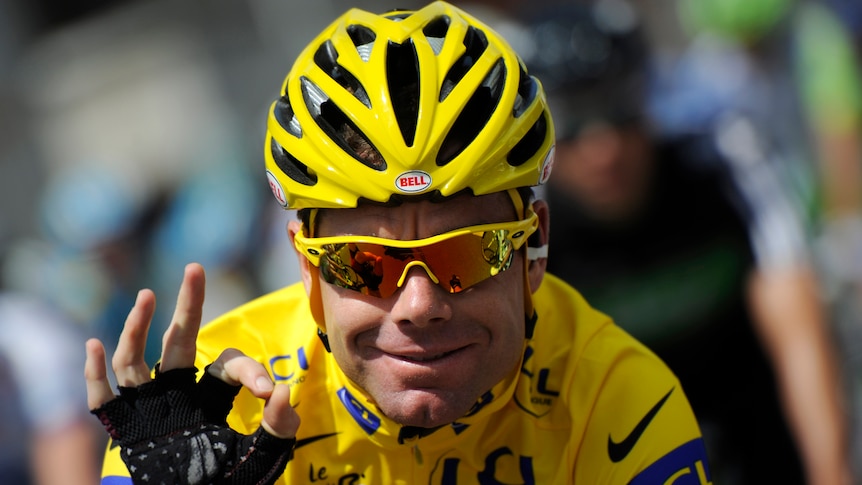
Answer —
424 358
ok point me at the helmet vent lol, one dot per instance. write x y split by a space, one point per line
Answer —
527 91
290 165
402 68
530 143
326 58
476 43
363 38
474 116
286 118
435 32
313 97
401 15
338 126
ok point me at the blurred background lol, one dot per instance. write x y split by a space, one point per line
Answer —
131 137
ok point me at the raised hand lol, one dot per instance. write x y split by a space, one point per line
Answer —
172 429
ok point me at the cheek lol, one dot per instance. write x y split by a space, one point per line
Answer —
499 311
347 314
500 302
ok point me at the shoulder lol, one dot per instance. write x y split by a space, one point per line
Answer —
566 318
255 327
584 353
278 331
625 405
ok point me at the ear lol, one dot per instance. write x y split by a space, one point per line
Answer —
536 268
293 228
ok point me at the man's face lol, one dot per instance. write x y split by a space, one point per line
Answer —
606 169
423 354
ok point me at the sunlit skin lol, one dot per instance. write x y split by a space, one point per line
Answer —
424 355
607 170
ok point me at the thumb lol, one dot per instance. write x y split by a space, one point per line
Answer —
279 417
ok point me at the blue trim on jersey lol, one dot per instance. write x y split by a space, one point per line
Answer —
367 420
114 480
686 465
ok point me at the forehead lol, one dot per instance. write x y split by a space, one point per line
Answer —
420 219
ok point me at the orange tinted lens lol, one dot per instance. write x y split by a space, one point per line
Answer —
458 262
466 260
349 266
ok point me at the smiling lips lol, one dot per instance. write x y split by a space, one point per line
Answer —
423 357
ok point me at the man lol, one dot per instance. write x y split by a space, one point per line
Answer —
691 245
416 137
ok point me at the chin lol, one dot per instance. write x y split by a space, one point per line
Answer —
425 408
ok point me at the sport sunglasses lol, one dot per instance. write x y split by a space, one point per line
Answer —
455 260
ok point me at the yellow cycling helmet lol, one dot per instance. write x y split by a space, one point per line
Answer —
381 107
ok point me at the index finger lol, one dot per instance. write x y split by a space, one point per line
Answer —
178 342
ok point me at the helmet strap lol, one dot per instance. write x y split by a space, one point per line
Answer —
324 338
530 316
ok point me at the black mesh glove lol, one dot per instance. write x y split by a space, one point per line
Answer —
173 430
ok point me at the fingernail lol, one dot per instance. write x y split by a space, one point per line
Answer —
263 384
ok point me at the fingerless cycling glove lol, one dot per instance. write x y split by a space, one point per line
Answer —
173 430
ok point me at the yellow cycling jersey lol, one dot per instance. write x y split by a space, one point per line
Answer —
589 405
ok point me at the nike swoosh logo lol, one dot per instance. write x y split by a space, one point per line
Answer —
617 451
312 439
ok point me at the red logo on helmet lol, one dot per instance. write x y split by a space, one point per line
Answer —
547 166
276 189
413 181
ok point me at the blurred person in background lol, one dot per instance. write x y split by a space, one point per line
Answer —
105 226
692 245
793 68
89 226
47 436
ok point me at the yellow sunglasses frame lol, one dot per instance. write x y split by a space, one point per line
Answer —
519 232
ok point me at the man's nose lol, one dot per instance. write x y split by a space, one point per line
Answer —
420 300
417 264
